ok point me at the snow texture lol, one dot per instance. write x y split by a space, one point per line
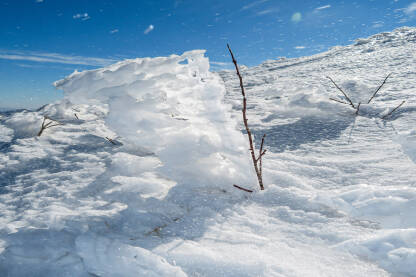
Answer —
137 181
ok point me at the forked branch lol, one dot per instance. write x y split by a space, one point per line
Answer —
46 125
357 108
256 160
345 95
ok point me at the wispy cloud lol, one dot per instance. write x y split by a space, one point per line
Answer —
251 5
411 9
377 24
53 58
149 29
114 31
220 65
267 11
81 16
323 7
299 47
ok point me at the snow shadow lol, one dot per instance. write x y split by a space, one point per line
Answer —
305 130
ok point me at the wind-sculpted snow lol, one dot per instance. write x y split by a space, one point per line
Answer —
137 181
171 107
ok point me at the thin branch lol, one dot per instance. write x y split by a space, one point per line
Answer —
358 108
261 153
382 84
250 139
110 140
76 116
346 96
247 190
336 100
392 111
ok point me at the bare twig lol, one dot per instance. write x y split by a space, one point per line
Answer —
250 139
111 140
261 153
346 96
358 108
76 116
50 124
392 111
337 100
382 84
244 189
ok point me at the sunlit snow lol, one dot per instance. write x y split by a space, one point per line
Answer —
138 181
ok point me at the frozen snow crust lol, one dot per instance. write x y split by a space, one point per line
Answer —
340 190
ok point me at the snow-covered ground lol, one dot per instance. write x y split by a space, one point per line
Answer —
158 199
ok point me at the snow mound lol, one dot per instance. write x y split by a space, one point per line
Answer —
172 107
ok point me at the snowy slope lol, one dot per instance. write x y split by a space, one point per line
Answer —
340 189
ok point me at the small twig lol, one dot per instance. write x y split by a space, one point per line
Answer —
50 124
392 111
250 138
336 100
76 116
382 84
244 189
261 153
346 96
358 108
110 140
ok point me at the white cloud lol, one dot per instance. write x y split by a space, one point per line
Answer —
323 7
220 63
411 9
377 24
114 31
296 17
82 16
267 11
249 6
299 47
149 29
53 58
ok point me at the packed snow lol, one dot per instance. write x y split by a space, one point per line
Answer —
137 180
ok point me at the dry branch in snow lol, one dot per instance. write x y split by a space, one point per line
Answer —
357 107
392 111
111 140
256 160
244 189
46 125
345 95
382 84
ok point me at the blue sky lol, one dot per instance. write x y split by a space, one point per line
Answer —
44 40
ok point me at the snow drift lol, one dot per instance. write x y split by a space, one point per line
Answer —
172 107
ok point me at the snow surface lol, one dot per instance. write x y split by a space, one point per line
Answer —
158 200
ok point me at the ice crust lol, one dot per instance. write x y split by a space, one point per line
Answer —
158 200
